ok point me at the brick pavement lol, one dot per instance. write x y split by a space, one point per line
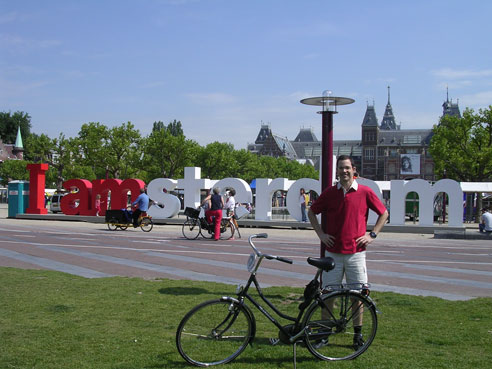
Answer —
406 263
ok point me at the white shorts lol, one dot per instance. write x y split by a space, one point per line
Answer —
352 265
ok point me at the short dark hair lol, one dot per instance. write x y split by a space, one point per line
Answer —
232 191
346 157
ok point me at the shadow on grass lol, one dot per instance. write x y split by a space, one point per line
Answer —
252 356
176 291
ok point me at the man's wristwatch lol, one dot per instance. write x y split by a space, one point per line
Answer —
373 235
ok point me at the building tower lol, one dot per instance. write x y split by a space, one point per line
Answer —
450 108
18 149
370 134
388 122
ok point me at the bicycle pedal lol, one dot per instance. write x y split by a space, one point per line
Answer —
274 341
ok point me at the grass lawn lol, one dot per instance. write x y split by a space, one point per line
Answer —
54 320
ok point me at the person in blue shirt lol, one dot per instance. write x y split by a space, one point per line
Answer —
141 204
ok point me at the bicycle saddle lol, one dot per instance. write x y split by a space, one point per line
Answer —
325 264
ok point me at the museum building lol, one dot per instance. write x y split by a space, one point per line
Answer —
385 151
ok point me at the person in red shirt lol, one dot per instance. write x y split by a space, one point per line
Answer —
346 207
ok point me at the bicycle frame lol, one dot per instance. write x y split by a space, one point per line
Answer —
243 294
317 297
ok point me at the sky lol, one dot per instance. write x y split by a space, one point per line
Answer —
224 67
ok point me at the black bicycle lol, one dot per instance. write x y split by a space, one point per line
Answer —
338 323
196 225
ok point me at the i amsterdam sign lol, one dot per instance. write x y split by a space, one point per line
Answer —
84 192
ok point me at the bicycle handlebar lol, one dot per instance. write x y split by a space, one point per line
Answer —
267 256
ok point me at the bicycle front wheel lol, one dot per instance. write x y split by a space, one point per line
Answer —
226 230
214 332
191 228
342 328
146 225
112 224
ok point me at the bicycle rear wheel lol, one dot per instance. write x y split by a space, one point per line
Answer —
331 334
191 228
207 230
214 332
226 229
146 224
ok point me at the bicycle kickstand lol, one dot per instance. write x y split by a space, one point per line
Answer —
295 361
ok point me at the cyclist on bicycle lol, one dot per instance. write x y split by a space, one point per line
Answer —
346 206
141 205
215 205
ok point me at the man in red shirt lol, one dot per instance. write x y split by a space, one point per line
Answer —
346 207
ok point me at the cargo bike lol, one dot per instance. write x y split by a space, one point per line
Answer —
122 219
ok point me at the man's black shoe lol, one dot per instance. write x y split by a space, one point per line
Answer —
358 341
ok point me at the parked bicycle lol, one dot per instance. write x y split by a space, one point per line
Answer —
217 331
196 225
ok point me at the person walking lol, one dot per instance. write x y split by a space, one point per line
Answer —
215 206
302 202
230 207
140 205
346 206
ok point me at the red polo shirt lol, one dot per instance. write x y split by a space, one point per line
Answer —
346 216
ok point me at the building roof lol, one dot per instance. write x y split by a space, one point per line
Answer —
265 132
370 118
18 140
347 147
405 137
388 122
450 108
306 135
285 146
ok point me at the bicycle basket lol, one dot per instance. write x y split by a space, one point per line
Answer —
192 213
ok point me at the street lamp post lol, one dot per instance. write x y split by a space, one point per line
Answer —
329 105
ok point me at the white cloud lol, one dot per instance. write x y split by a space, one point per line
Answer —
211 98
450 73
9 41
478 100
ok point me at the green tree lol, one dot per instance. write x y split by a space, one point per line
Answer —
175 128
38 148
123 151
462 147
246 165
92 143
216 160
9 124
166 155
11 170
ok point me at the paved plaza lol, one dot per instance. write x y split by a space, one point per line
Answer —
409 263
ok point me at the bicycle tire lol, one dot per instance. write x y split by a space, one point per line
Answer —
191 228
331 336
123 227
214 332
112 224
226 229
207 230
146 224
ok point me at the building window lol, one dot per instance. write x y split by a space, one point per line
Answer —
369 154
